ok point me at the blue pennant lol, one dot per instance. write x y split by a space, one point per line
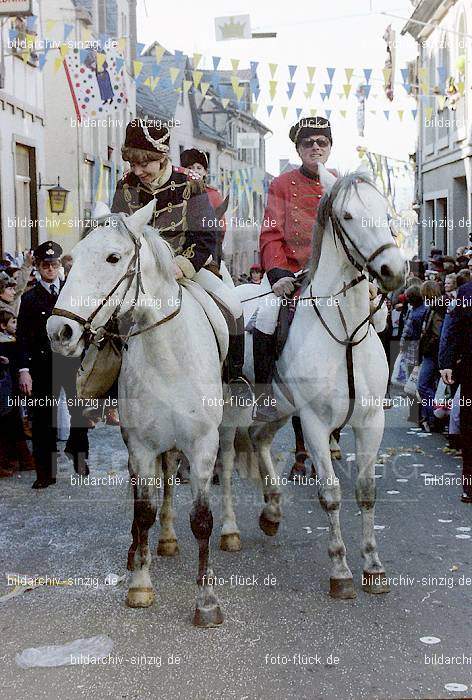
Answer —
31 23
328 113
404 72
328 87
291 88
119 64
367 89
67 30
298 111
323 96
254 65
414 112
291 71
269 109
387 114
331 72
139 48
42 60
216 62
367 74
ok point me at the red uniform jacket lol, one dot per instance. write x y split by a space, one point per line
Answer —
216 200
289 218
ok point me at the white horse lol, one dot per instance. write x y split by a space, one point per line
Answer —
330 331
170 365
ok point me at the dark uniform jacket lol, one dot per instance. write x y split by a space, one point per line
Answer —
456 338
34 348
183 214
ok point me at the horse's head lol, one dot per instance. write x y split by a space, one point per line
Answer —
361 224
104 279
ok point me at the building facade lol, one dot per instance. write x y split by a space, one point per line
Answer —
442 85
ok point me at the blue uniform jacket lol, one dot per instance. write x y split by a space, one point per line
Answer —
456 336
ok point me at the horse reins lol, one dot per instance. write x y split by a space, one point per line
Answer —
133 272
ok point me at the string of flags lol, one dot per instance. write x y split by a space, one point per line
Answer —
334 85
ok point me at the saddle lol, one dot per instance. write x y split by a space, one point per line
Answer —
286 315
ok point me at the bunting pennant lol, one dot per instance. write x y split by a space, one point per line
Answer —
67 30
291 88
323 96
204 88
423 74
331 72
309 89
197 75
254 65
50 24
313 112
347 89
328 113
311 72
137 67
121 43
239 93
442 73
42 60
428 113
343 113
298 111
328 87
387 114
424 88
234 63
31 23
272 88
197 57
291 71
414 113
367 74
57 64
173 72
404 74
273 69
387 74
401 112
367 89
349 72
216 62
234 82
441 102
269 109
64 50
139 47
284 111
159 52
225 102
187 84
120 62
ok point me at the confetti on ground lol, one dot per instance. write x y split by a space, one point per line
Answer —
430 640
392 493
463 529
425 474
308 530
322 528
378 476
379 527
456 687
463 537
402 481
441 520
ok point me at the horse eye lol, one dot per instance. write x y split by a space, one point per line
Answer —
113 258
347 216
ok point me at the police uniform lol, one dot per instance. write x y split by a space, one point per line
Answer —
49 373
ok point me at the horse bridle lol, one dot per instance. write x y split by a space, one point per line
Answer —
133 272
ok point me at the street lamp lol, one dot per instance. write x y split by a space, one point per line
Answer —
57 196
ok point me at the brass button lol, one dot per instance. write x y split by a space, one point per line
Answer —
296 221
172 185
169 206
319 196
293 182
294 194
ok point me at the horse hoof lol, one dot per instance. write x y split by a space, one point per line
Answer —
167 548
230 542
336 454
268 527
208 617
342 588
375 582
298 469
141 597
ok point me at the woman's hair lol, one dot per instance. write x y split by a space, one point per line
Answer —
413 295
430 290
414 281
452 278
463 277
139 155
5 317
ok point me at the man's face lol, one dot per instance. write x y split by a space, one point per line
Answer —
313 150
48 270
199 169
148 172
8 294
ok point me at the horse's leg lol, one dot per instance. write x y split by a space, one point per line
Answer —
368 441
140 592
202 457
329 493
230 540
262 436
301 454
168 545
333 444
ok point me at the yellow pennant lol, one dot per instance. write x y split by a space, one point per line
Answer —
57 64
197 76
187 85
154 82
349 72
204 88
138 66
87 35
272 88
273 67
234 63
401 112
347 89
225 102
30 40
311 72
343 113
424 88
197 57
173 72
461 87
234 82
428 113
101 58
159 52
309 89
239 91
422 74
64 50
441 102
387 74
284 111
25 55
373 111
50 24
254 107
313 112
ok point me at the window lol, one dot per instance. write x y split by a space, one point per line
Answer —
26 197
107 194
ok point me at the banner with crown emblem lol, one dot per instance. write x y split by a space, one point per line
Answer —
236 27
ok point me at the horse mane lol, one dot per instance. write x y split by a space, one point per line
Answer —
343 186
161 251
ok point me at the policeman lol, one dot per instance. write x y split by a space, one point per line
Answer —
41 375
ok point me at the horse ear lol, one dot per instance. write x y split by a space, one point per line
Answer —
364 169
137 221
327 179
100 210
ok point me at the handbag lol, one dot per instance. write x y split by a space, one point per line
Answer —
442 403
399 375
99 370
411 385
6 392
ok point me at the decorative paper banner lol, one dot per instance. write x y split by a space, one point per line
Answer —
428 113
331 72
298 112
273 69
347 90
367 74
328 113
343 113
95 92
197 75
197 57
291 88
64 50
401 112
174 72
67 30
349 72
272 88
235 63
291 71
311 72
309 89
159 52
284 111
328 88
269 109
313 112
57 64
387 74
387 114
225 102
235 27
414 112
137 66
50 24
204 88
187 84
216 62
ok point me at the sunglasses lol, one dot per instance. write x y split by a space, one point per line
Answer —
322 142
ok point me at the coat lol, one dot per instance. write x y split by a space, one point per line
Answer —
286 239
456 339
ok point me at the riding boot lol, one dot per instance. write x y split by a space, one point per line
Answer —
264 365
237 382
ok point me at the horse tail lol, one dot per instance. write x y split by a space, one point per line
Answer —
246 460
